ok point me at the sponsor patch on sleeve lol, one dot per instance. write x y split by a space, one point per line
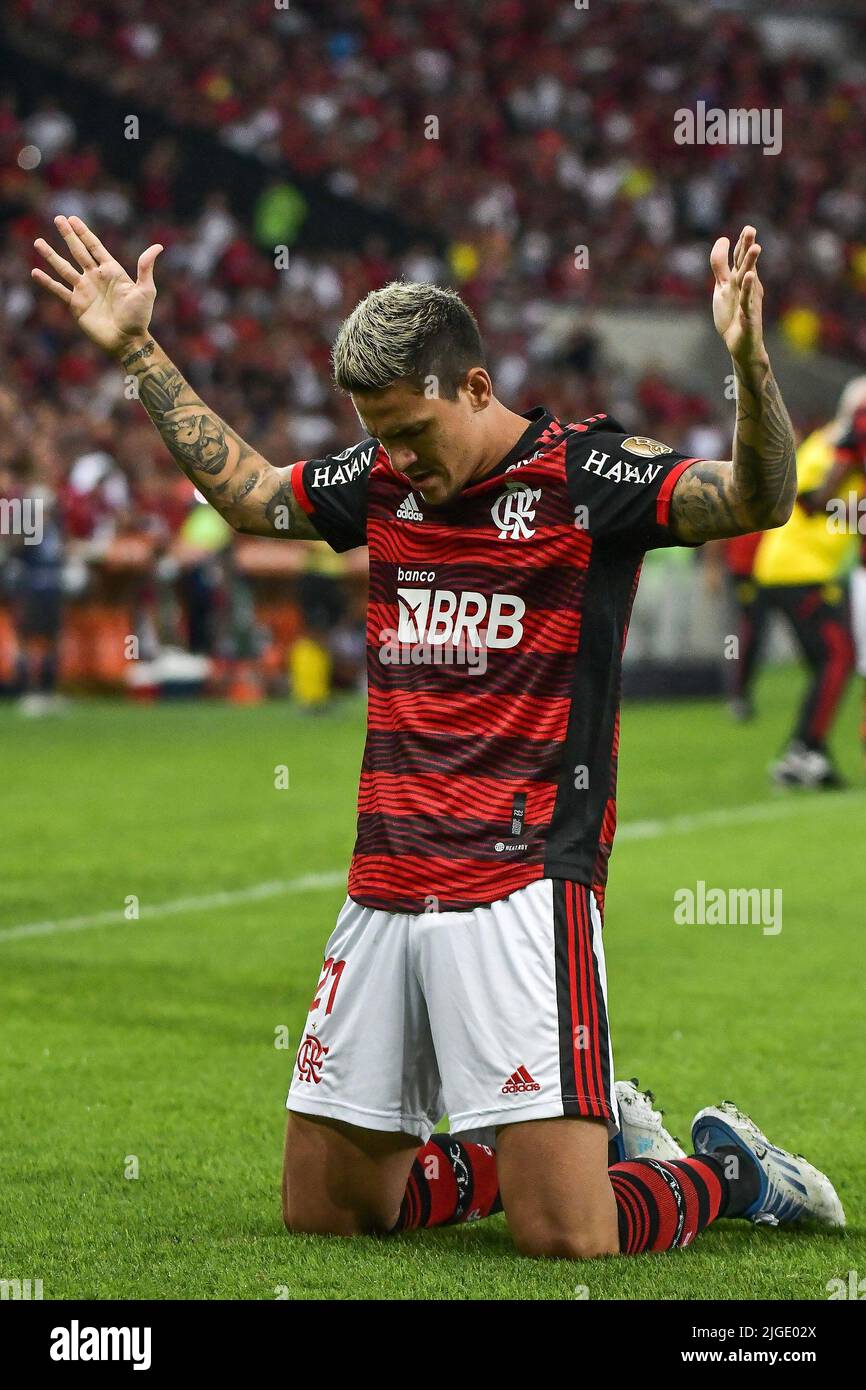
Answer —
645 448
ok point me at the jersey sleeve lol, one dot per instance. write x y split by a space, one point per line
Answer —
333 493
621 484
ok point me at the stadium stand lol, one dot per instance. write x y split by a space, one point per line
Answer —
261 132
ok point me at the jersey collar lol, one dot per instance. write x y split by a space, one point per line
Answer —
539 421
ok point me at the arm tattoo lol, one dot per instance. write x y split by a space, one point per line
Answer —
246 486
199 440
245 489
701 506
195 438
147 350
764 448
159 391
285 517
755 491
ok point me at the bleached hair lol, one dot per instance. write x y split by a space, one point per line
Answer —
407 330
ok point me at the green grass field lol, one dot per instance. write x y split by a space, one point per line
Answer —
153 1039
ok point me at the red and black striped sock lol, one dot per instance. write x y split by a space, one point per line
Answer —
450 1182
664 1204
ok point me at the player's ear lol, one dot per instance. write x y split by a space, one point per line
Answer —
479 387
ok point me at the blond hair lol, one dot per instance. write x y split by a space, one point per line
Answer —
407 330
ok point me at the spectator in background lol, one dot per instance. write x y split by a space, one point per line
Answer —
35 577
729 566
800 570
323 604
844 491
201 552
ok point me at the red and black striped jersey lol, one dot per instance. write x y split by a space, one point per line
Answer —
495 631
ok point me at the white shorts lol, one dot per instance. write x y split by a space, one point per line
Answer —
858 616
490 1016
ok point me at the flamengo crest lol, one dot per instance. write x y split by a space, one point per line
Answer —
514 511
311 1056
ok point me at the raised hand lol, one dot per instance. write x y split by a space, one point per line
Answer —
111 308
755 490
114 311
738 295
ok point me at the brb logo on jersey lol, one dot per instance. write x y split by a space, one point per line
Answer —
441 616
514 512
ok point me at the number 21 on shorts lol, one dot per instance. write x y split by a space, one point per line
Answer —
332 969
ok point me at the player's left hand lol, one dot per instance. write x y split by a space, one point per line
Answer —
738 295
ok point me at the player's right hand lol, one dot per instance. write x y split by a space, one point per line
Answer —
113 310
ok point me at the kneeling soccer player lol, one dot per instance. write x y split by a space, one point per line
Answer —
466 972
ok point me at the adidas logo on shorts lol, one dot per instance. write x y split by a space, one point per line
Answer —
519 1081
408 509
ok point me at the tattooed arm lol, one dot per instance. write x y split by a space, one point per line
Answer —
755 490
114 311
244 488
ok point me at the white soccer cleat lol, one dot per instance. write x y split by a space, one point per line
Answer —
791 1189
805 767
641 1125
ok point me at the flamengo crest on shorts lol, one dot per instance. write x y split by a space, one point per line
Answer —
311 1056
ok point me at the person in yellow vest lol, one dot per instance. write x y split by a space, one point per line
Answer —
322 602
842 501
801 570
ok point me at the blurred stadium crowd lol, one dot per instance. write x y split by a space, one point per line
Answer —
554 130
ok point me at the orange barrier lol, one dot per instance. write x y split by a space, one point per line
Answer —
94 644
94 647
8 646
283 621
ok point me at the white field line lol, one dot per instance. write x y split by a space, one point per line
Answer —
256 892
788 804
287 887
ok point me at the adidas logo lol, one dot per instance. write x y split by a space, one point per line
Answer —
519 1081
408 510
